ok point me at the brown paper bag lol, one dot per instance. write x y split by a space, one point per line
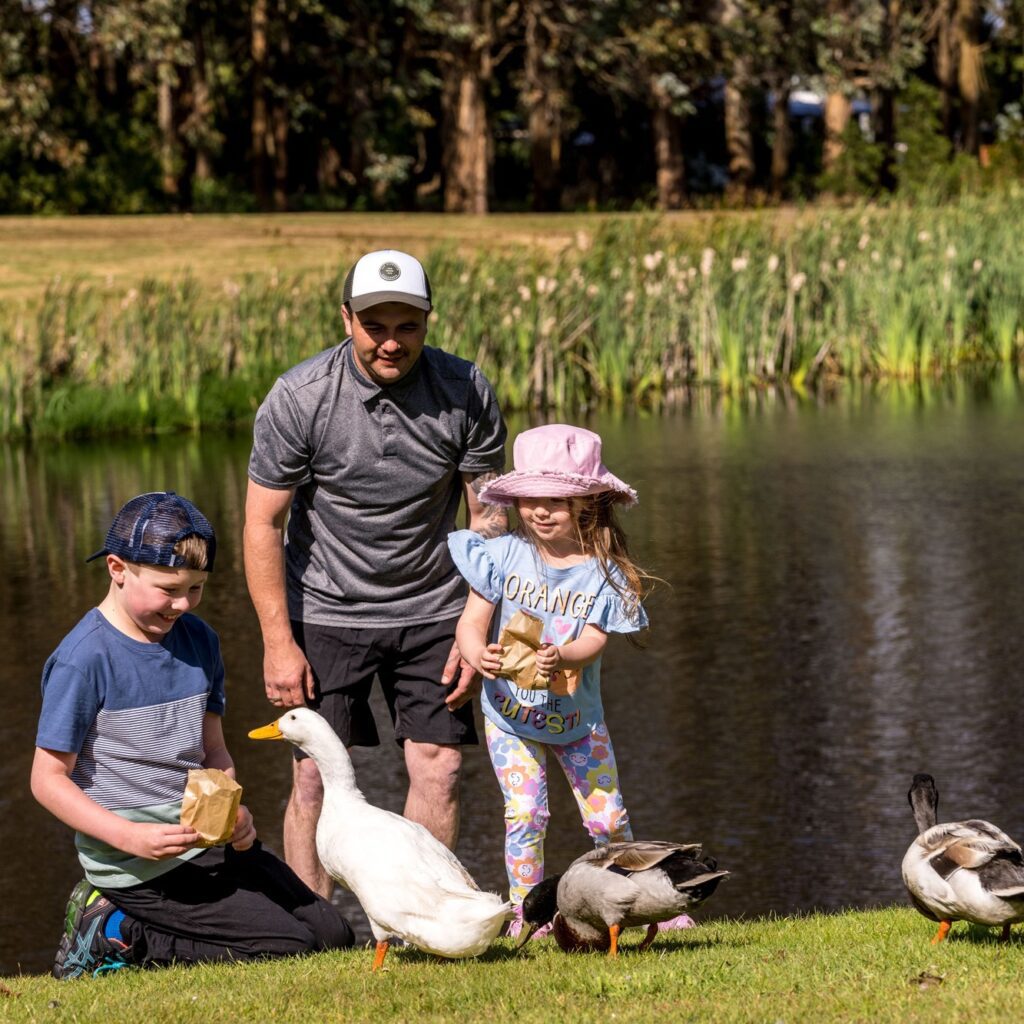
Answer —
521 638
210 805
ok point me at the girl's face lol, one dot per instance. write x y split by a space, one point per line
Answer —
550 520
150 598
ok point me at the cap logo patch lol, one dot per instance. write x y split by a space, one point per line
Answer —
390 271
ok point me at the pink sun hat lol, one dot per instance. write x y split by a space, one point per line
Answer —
556 461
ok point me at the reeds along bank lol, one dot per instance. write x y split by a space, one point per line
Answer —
628 314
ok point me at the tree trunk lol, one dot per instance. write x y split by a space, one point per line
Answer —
258 48
887 98
201 109
668 149
279 117
165 121
945 63
465 146
782 142
542 99
739 143
970 71
837 117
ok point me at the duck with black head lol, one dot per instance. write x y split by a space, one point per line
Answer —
961 870
617 886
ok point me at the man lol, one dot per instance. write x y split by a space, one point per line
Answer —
370 445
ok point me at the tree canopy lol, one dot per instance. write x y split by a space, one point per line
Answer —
473 105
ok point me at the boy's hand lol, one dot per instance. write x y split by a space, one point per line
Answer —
549 657
245 831
490 660
158 842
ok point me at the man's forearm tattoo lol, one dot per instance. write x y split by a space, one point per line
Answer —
492 520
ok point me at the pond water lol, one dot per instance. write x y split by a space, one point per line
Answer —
842 602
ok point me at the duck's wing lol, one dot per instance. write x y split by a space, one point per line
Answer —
636 855
970 845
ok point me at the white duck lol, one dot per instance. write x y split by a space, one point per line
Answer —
961 870
409 884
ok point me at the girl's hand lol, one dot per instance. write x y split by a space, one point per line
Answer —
245 831
158 842
549 657
490 660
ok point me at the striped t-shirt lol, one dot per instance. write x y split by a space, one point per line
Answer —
132 713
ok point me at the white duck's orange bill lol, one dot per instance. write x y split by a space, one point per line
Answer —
267 732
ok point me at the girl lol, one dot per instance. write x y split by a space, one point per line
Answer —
568 565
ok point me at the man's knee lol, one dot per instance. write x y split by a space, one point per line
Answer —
307 786
434 766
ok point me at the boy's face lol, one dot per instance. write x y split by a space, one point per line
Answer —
150 598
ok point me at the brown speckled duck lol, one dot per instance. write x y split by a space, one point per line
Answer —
620 885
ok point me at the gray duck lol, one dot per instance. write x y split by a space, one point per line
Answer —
620 885
961 870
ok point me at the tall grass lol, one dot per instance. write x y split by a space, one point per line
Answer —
630 313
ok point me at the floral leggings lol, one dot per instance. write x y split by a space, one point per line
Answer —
521 768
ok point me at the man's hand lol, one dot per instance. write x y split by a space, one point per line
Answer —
467 682
287 676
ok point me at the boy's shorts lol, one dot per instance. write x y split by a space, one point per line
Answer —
408 661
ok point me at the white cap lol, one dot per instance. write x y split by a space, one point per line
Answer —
387 275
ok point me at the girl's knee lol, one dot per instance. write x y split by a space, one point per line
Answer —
531 821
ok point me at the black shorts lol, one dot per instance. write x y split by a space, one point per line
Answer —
408 661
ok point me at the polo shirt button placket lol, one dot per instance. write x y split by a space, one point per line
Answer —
387 431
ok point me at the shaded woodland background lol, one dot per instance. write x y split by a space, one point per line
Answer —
477 105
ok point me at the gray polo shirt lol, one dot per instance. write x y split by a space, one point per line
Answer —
376 472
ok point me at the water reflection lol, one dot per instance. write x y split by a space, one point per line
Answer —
843 579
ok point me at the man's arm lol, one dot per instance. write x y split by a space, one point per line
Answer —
487 520
286 673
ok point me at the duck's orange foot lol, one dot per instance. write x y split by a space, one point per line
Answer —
613 932
943 931
378 957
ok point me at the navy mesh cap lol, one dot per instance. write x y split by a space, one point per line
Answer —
147 528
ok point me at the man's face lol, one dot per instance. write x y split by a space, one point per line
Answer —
387 339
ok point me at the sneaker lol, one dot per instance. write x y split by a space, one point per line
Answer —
91 943
675 923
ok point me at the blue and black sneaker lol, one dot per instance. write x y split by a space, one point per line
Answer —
91 943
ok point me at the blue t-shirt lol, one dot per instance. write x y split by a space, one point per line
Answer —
509 572
132 713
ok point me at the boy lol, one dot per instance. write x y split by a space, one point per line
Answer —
132 699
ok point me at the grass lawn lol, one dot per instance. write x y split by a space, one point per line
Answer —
117 252
120 251
857 966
